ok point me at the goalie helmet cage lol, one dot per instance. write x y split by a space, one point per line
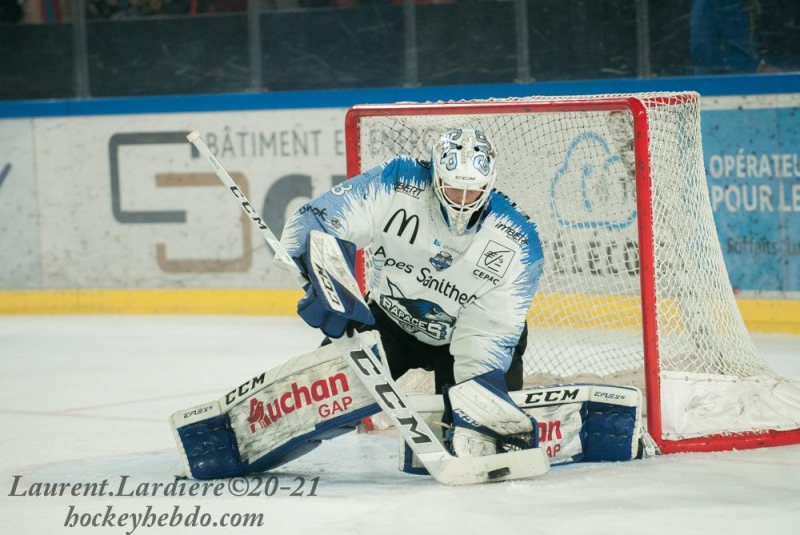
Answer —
634 288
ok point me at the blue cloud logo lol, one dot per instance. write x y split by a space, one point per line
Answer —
587 194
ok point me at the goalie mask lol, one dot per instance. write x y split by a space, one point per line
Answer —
463 175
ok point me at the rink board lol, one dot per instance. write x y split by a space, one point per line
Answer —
112 212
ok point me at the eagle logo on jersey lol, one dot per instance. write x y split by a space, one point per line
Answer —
416 315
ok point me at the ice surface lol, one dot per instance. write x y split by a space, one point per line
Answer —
86 399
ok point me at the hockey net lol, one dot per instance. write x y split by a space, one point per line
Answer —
634 289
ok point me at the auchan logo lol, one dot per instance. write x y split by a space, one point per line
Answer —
265 413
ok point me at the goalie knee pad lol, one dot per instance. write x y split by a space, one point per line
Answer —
468 442
275 417
485 419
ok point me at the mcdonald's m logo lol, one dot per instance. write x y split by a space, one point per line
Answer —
405 221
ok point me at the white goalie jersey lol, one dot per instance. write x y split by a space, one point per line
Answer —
470 291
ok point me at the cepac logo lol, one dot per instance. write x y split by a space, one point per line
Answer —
298 397
496 258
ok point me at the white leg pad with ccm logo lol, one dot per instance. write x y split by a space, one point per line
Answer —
577 423
276 416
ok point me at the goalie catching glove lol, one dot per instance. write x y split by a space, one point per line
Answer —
485 420
333 299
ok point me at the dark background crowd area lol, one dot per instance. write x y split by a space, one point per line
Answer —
153 47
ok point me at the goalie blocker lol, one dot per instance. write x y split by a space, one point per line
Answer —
283 413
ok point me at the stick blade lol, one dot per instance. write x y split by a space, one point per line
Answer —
521 464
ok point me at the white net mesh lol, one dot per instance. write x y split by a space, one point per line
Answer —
573 172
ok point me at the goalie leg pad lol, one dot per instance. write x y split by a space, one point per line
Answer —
577 423
610 432
485 418
585 422
208 445
275 417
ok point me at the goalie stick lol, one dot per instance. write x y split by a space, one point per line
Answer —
443 466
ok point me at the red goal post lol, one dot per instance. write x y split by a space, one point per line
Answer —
657 312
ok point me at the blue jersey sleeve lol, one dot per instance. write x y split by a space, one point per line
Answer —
349 210
345 211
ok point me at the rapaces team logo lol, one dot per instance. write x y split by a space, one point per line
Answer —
416 315
442 260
